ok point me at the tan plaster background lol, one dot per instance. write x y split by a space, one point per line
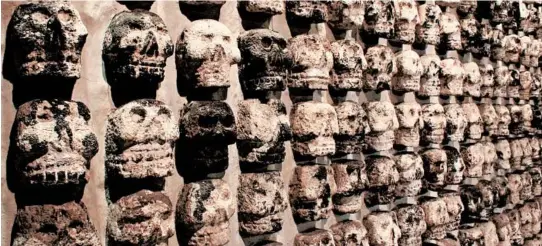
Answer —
93 90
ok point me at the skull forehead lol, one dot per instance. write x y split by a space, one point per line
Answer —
432 109
30 112
408 108
206 27
471 68
407 58
125 22
407 161
205 202
60 215
435 155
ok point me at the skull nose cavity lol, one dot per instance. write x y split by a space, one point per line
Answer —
150 46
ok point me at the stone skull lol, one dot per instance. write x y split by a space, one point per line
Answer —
428 28
411 172
411 221
487 72
450 32
382 176
348 65
434 123
500 187
352 121
255 13
502 79
435 168
536 86
497 44
410 123
409 72
512 90
473 80
502 223
490 158
312 61
381 67
436 217
430 79
456 122
348 232
451 77
470 33
201 9
471 236
379 18
489 117
319 237
382 228
351 180
346 14
454 166
382 121
516 152
454 208
525 82
512 48
502 147
406 19
474 162
503 120
307 11
474 121
515 185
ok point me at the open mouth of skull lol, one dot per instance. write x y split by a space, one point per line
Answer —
138 159
56 170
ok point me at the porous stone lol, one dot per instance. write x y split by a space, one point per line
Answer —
455 166
456 122
379 19
312 61
434 123
381 67
435 168
406 18
352 121
345 15
428 28
351 180
452 75
411 172
474 162
454 208
450 32
411 221
436 217
410 123
430 79
409 72
502 78
489 118
487 72
348 232
314 237
348 65
381 121
382 228
383 176
474 121
473 80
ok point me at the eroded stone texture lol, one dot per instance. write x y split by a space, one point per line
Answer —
450 32
411 172
435 168
310 193
526 46
135 49
352 123
265 60
512 48
383 176
64 224
502 147
487 72
503 120
434 123
531 21
382 121
536 86
348 65
454 166
381 67
382 228
348 232
312 61
470 33
430 79
515 185
466 7
512 90
203 212
526 220
515 227
201 9
428 28
410 123
261 200
474 121
256 12
478 201
504 230
535 213
379 19
471 236
525 83
501 190
47 38
409 72
319 237
140 138
490 158
489 118
411 221
497 44
452 75
53 143
206 130
502 79
142 218
436 218
351 180
204 53
526 186
454 208
536 175
346 14
516 153
456 122
474 161
302 12
313 127
483 46
473 80
526 159
406 18
504 12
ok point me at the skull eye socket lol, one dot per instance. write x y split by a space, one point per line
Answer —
266 42
138 114
40 17
227 121
65 16
207 121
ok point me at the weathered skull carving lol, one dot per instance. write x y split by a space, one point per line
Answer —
435 168
526 186
490 158
261 200
474 121
428 29
406 18
466 7
410 123
474 161
411 221
536 86
512 48
204 54
503 12
434 123
526 159
534 52
135 49
409 72
139 140
306 11
526 43
483 44
531 22
512 90
261 133
201 9
489 118
383 176
516 153
502 223
54 143
535 213
352 121
348 232
436 218
411 172
452 75
450 35
254 13
319 237
54 47
311 189
382 120
454 208
497 44
379 18
349 62
502 79
526 220
473 79
312 61
503 120
526 117
351 180
487 72
471 236
525 82
313 127
516 121
64 224
430 80
479 206
500 187
514 185
533 141
455 166
456 122
203 212
206 130
470 33
515 227
502 147
142 218
346 14
382 228
264 64
381 67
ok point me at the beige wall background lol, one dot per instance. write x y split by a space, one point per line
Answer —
93 90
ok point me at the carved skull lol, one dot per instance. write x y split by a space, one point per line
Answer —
203 212
53 143
456 122
515 226
455 166
434 123
473 79
435 168
489 118
406 18
502 223
319 237
63 224
383 176
313 126
502 79
531 22
54 47
264 64
141 218
201 9
526 220
411 221
487 72
534 52
348 232
312 61
409 72
430 79
497 44
533 141
502 147
349 62
536 86
512 91
515 185
135 49
525 81
500 187
311 189
352 120
535 213
526 117
411 172
454 208
379 18
382 228
473 201
516 121
526 186
410 123
450 32
381 67
512 48
517 152
204 54
470 33
346 14
254 13
503 120
382 120
351 180
451 77
474 121
428 28
474 161
306 11
139 140
261 200
526 160
490 158
525 58
471 236
436 218
503 12
467 7
483 45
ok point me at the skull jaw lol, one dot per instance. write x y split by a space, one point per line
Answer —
305 80
347 145
347 204
408 189
67 170
406 83
432 136
311 210
55 69
428 35
407 137
259 226
319 146
379 141
429 87
379 195
348 81
142 161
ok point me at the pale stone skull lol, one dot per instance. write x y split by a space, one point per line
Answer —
516 121
318 237
261 200
142 218
411 221
204 54
525 82
487 72
435 168
313 126
473 79
45 39
312 61
428 28
382 228
456 122
53 143
471 236
497 44
348 232
352 120
502 147
474 161
411 172
502 223
531 22
310 192
535 148
381 67
526 43
526 160
409 72
470 33
454 208
381 120
346 14
534 52
490 158
455 166
406 18
512 48
516 153
430 79
203 211
452 75
382 176
351 180
502 77
436 218
526 220
410 123
489 117
474 121
526 186
306 11
51 224
503 120
526 117
379 18
201 9
466 7
515 226
502 192
348 64
254 13
450 32
515 185
434 123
